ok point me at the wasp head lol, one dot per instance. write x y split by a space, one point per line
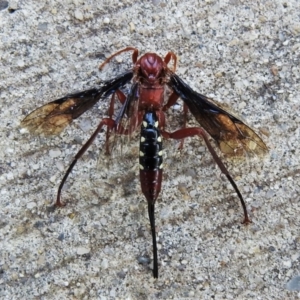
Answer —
151 66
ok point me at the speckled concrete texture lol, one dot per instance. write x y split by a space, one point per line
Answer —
245 54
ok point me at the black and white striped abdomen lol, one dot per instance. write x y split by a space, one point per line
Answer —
150 143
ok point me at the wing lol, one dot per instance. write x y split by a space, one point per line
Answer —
233 136
53 117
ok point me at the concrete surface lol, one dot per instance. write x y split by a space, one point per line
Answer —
242 53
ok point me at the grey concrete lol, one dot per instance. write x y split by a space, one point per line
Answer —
244 54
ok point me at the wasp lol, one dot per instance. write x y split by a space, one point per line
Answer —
143 107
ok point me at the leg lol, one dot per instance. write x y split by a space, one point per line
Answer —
189 132
111 109
170 55
134 56
185 111
135 121
171 101
109 123
161 119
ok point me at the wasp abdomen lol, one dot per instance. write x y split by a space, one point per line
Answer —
150 157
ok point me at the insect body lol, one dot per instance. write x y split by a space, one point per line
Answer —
151 169
144 106
150 156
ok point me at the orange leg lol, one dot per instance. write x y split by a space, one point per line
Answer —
111 125
161 119
189 132
170 55
134 56
135 122
171 101
105 122
111 109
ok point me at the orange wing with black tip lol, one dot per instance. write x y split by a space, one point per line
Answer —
54 116
233 136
